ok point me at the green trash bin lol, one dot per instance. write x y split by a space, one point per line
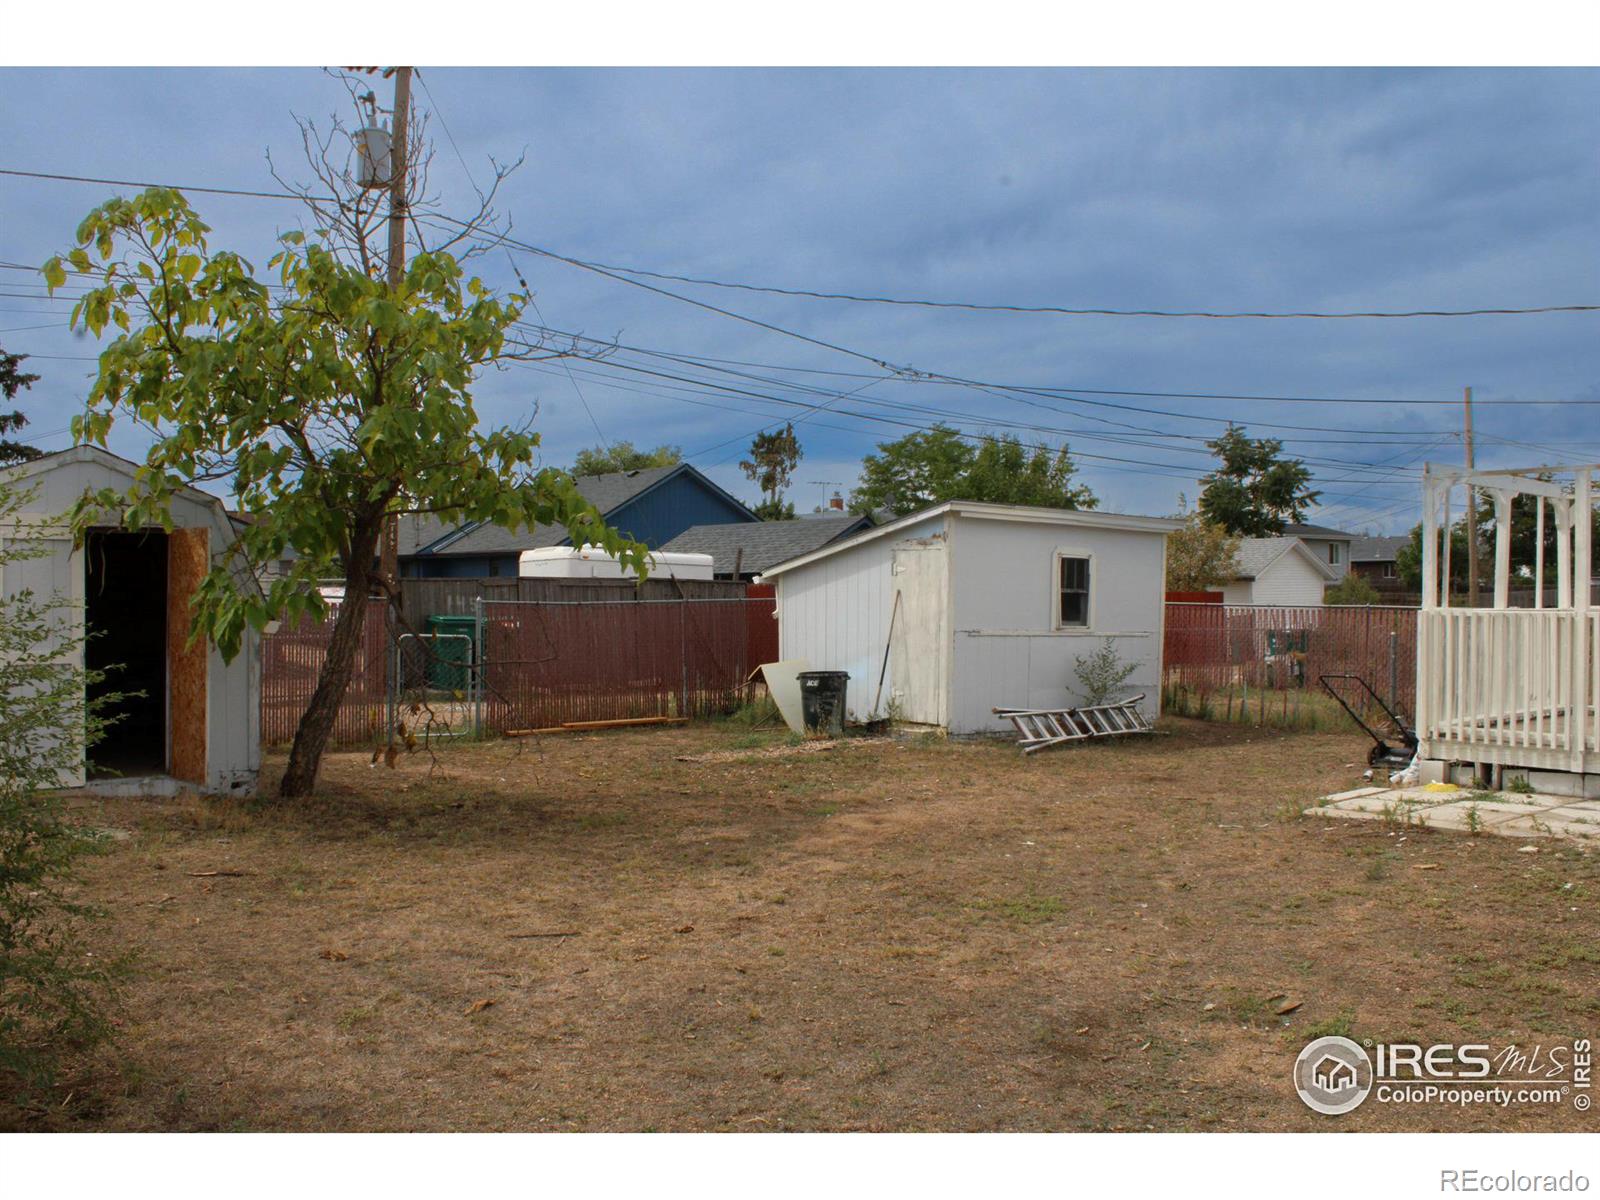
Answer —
451 651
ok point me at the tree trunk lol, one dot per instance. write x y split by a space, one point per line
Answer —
316 725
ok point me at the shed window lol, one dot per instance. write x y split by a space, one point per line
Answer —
1074 612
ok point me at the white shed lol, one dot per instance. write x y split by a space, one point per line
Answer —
1279 571
966 607
197 722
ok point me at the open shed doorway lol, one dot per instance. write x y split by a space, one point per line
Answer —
125 611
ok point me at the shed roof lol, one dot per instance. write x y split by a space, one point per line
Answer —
991 512
765 543
1256 555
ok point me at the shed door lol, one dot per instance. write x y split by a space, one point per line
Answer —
921 641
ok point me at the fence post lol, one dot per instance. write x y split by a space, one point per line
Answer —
475 697
1394 670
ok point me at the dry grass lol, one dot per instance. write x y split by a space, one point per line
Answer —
915 935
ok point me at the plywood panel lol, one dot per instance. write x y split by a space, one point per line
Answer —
188 559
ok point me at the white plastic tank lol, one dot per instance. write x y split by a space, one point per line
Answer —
591 562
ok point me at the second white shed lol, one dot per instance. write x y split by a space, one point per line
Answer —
966 607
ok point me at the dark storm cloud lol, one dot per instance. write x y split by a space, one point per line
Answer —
1204 189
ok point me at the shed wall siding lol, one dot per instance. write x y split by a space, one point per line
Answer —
1007 652
834 613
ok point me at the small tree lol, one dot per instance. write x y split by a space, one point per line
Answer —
1255 492
54 995
1004 471
621 456
14 379
329 402
773 458
1352 589
1102 673
1200 556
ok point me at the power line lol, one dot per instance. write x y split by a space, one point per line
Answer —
609 268
145 183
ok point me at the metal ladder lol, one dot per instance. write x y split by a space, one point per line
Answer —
1038 728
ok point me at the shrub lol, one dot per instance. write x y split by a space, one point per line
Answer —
1102 674
1352 589
54 995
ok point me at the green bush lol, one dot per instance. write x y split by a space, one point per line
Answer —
54 994
1352 589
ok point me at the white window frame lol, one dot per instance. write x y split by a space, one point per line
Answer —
1056 622
1334 557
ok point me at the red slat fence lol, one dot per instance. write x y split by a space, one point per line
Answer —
542 662
1214 653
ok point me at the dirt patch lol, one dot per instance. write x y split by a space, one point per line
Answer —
913 935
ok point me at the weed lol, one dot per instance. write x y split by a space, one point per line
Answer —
1338 1025
1519 786
1026 910
1474 821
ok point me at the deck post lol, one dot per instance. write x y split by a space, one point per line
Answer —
1538 553
1582 594
1502 548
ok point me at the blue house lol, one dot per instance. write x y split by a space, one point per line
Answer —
653 505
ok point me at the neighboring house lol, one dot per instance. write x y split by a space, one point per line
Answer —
1281 571
1373 558
744 550
653 505
197 723
1332 546
965 607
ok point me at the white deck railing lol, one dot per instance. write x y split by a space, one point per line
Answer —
1508 679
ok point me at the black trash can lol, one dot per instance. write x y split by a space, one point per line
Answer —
822 701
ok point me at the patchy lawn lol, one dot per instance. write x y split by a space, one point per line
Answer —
593 934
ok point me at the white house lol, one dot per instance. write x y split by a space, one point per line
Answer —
966 607
196 723
1279 571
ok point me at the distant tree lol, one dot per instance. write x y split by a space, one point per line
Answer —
621 456
912 472
1003 471
773 458
938 464
1352 589
1254 492
1200 556
14 379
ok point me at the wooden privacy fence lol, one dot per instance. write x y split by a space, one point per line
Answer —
291 660
1222 648
546 662
539 663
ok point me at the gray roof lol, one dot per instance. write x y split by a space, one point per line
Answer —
1313 531
1255 555
606 492
1376 549
765 543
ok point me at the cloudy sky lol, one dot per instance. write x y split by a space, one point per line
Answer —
1215 190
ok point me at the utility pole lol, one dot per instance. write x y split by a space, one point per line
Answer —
1472 516
389 545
